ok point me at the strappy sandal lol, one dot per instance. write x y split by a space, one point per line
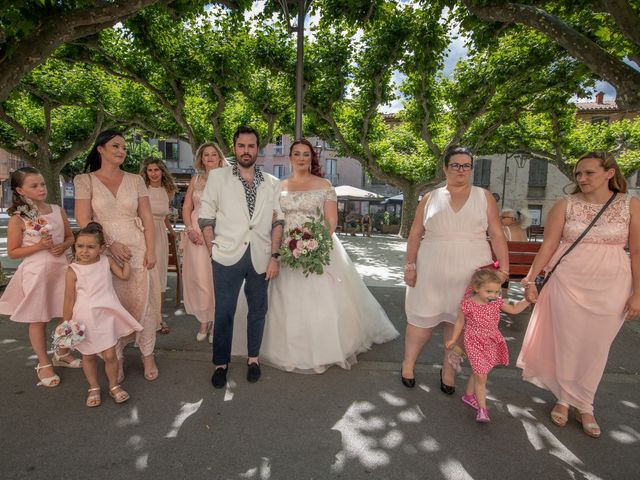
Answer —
558 418
164 328
590 428
51 382
119 396
152 373
59 362
94 399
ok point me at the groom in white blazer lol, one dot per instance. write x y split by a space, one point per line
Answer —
240 217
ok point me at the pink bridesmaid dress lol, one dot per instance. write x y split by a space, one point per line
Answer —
581 309
160 209
98 307
36 291
197 277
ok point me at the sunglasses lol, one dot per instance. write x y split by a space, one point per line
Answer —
465 167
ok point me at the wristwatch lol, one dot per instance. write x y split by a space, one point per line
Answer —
275 255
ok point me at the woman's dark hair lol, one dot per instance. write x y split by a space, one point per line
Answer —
617 183
93 161
245 129
17 180
451 151
93 228
167 179
316 169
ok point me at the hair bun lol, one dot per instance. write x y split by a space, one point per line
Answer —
93 227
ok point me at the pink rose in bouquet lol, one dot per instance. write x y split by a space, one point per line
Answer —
307 247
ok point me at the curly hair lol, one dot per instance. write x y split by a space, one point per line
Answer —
167 179
484 275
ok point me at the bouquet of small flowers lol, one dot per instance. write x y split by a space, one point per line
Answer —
68 334
455 357
307 247
35 224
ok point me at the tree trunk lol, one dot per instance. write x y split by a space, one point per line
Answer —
409 205
51 174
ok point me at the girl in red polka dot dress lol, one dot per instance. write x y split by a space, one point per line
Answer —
479 316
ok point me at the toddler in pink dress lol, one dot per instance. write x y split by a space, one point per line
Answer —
479 316
90 298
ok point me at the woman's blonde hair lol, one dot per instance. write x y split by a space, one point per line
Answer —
167 179
484 275
617 183
198 165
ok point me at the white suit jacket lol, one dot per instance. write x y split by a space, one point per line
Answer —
223 199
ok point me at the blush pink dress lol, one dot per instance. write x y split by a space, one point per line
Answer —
197 276
454 245
118 215
581 308
484 344
36 291
98 307
160 209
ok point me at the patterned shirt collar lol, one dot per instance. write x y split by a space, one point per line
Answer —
250 189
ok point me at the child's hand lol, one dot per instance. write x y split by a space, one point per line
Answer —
45 243
58 250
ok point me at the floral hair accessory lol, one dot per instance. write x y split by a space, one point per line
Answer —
307 247
491 266
68 334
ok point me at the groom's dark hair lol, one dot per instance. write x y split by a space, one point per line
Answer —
245 129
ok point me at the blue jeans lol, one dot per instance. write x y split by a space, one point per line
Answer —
227 281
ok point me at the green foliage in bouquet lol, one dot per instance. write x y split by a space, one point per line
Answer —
307 247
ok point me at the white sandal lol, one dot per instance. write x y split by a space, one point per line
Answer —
58 362
49 381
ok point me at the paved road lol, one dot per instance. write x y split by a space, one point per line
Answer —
357 424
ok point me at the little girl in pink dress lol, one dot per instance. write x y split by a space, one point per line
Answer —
39 234
90 298
479 315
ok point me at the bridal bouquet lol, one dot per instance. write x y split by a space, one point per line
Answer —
35 224
307 247
68 334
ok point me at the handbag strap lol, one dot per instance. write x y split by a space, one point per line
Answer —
586 230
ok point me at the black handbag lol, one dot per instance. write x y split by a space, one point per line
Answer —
541 280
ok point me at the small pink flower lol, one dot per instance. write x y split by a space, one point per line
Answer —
296 253
312 245
300 245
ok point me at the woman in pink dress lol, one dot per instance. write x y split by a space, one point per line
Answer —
162 188
197 279
89 299
119 201
447 243
576 319
38 233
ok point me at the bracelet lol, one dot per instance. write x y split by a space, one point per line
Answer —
503 271
410 266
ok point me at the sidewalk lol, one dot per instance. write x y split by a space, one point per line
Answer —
357 424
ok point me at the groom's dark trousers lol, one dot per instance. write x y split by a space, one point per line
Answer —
227 281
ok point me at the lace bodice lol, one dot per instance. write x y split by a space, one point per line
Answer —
612 228
299 206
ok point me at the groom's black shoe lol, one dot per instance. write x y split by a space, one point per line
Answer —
219 377
253 372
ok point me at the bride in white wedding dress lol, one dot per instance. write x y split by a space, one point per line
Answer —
317 321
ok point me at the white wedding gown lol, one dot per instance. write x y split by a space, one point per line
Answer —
317 321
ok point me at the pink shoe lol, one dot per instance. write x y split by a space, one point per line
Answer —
471 401
482 416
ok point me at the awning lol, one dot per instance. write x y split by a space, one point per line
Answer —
348 192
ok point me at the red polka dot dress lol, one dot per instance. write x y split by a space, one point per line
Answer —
483 342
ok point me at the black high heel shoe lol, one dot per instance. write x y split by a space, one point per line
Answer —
407 382
448 389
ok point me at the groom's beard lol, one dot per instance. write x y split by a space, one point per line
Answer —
247 161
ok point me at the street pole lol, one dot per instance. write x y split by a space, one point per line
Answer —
300 68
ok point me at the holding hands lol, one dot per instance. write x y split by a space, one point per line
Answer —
195 237
120 252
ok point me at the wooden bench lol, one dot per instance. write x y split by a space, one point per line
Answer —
521 255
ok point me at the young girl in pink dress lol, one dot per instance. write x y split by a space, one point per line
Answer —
479 315
89 298
38 233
